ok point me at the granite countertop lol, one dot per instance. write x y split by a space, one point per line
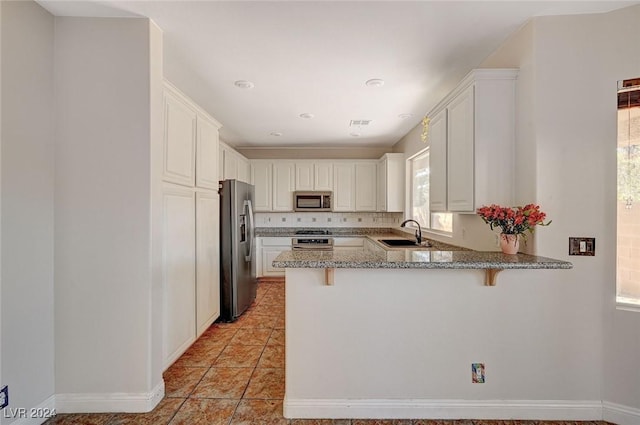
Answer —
415 259
335 231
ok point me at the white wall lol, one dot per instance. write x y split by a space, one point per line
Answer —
565 156
106 268
27 205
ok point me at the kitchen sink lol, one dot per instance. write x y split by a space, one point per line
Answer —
398 242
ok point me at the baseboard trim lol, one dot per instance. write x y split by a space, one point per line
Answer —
569 410
35 416
110 402
619 414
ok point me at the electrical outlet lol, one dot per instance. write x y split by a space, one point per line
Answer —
4 397
477 373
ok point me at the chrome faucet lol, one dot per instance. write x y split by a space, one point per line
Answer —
418 232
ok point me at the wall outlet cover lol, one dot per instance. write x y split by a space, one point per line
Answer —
582 246
477 373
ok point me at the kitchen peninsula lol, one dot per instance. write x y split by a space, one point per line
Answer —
396 333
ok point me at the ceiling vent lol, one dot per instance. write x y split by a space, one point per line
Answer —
359 123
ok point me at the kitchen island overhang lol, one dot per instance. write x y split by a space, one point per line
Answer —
396 339
490 262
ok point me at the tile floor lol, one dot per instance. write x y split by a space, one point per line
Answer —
234 374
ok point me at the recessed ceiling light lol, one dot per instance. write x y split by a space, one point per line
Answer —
405 116
354 134
307 115
244 84
275 134
375 82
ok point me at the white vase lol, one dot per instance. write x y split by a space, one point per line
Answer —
509 243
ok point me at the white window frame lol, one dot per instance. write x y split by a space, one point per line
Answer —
409 198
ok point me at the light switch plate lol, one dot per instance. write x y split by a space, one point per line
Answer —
582 246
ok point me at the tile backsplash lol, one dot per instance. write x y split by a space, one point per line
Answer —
328 219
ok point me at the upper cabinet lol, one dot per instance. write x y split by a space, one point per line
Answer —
261 178
344 178
390 195
283 184
233 165
179 140
317 175
190 145
365 185
473 133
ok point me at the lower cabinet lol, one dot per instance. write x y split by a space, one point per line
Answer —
207 260
268 248
191 284
348 244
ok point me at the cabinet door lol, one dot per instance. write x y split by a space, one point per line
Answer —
344 198
438 162
304 176
244 169
207 260
179 141
262 181
230 164
179 274
283 183
381 199
460 137
268 255
366 186
323 178
207 154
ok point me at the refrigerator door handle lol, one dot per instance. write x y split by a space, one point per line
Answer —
249 209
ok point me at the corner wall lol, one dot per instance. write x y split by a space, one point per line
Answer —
27 206
106 265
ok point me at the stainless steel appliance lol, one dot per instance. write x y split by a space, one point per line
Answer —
312 201
312 240
238 282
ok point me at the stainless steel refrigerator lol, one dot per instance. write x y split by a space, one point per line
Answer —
238 282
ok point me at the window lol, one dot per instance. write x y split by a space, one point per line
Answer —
628 202
418 166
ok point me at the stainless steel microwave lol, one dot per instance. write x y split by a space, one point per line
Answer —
312 201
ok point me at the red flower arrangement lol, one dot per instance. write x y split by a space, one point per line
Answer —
513 221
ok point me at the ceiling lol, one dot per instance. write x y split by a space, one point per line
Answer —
315 57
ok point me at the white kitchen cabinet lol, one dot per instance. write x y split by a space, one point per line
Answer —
261 172
344 195
365 186
391 184
179 269
480 135
305 175
207 150
207 260
267 249
230 164
438 162
179 144
244 169
283 184
348 244
323 175
314 175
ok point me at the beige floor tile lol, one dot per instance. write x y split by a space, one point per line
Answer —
239 356
256 321
251 336
252 412
272 357
219 333
266 384
277 337
380 422
179 381
161 415
221 382
201 354
80 419
205 412
320 422
279 323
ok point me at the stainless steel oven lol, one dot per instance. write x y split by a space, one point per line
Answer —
316 240
312 201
